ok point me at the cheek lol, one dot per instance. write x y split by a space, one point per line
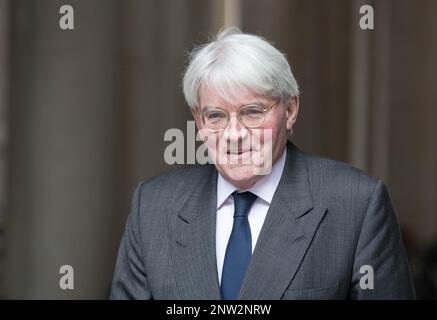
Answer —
277 127
206 135
211 140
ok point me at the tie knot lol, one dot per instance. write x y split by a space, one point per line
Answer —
243 202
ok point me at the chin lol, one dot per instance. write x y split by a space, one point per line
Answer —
241 176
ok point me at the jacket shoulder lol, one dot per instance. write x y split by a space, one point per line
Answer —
172 187
335 179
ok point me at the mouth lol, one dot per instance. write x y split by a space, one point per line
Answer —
238 152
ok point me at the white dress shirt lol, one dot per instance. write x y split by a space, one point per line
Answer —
264 189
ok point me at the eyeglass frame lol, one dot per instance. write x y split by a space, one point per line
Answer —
265 111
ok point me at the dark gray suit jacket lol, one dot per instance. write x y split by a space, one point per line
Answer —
325 222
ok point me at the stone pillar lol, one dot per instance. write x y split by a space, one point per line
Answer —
157 37
4 136
360 74
65 106
413 100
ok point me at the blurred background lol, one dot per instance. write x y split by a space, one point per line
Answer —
83 114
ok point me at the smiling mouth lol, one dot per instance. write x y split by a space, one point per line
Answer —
238 152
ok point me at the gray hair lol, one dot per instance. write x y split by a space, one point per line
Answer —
236 60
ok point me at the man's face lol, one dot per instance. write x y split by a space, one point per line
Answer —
242 154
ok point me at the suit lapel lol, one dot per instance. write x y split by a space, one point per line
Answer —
193 243
287 232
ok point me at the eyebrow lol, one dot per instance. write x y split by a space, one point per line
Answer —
242 105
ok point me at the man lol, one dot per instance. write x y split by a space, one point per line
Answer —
266 221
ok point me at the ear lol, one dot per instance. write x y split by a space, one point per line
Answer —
292 110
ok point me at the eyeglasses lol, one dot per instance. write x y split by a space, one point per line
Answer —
250 116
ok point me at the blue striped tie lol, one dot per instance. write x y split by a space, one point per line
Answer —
239 249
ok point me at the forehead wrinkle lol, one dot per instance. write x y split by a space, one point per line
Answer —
242 97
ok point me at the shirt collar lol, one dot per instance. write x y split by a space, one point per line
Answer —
264 188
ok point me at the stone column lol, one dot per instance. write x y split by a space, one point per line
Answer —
4 136
157 37
65 106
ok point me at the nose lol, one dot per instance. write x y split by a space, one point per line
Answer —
234 130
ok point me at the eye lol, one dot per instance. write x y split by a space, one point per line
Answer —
254 112
215 116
